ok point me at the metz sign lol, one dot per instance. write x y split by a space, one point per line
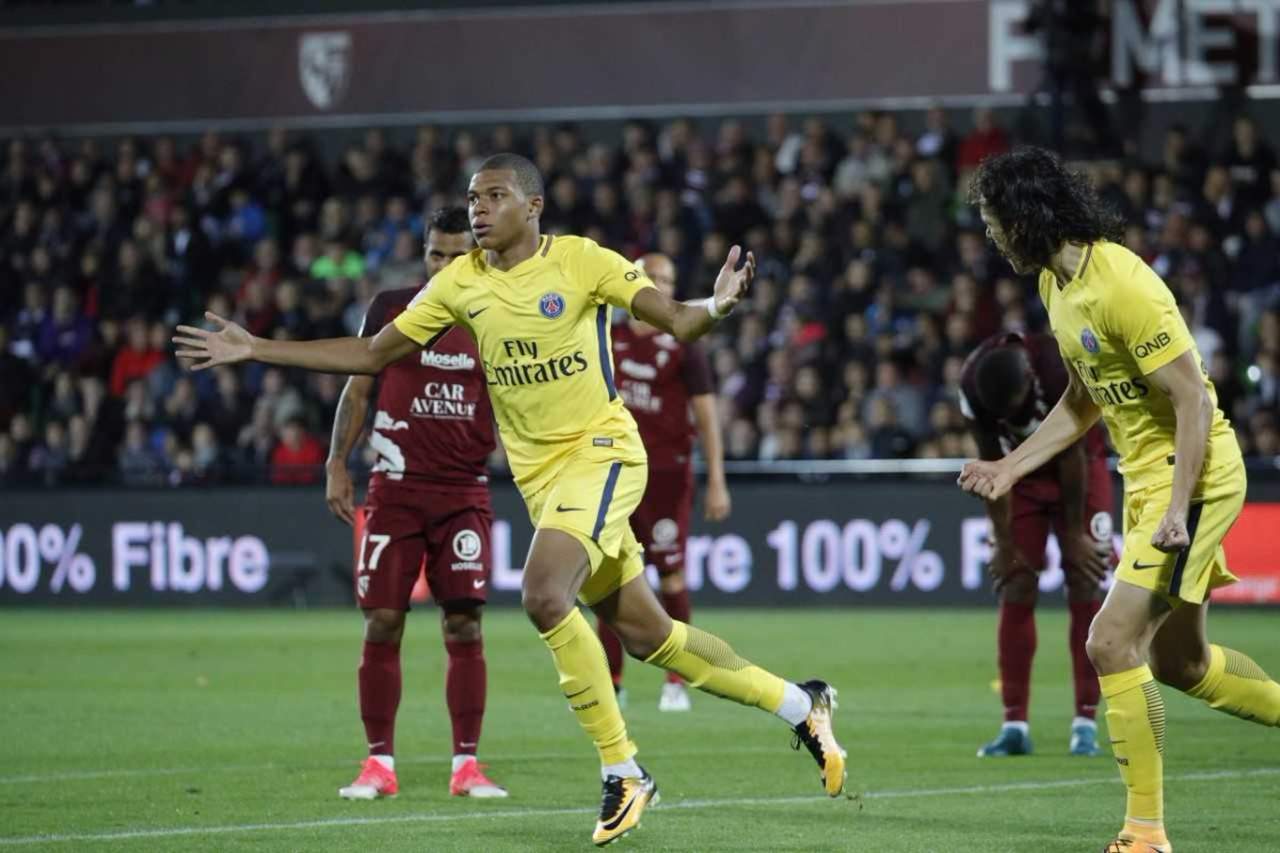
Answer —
1158 42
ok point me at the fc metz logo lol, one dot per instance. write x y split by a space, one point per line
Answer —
551 305
324 67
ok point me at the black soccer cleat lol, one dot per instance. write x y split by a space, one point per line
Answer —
625 799
818 736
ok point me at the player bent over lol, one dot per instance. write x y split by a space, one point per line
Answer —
538 307
1008 385
662 380
428 498
1134 364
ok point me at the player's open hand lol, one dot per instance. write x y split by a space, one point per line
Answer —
339 492
1005 563
732 283
987 480
1171 536
201 349
1087 555
717 503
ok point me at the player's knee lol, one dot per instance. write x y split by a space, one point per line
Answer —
461 626
546 608
383 625
1022 588
672 583
1110 651
1181 671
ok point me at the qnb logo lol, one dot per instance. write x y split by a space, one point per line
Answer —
1152 346
181 563
447 360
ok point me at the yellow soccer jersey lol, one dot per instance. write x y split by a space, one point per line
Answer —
543 333
1116 322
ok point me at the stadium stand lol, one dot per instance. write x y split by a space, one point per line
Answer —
875 279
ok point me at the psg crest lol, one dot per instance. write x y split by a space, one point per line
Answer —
1089 341
324 67
551 305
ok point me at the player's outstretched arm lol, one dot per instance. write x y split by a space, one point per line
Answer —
688 321
229 343
1070 419
1182 381
348 423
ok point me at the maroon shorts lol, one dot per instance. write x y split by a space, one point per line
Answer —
1037 509
444 529
661 522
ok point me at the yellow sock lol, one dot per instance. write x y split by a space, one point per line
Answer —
1135 720
709 663
585 681
1237 686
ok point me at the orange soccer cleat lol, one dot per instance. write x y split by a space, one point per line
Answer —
375 780
469 781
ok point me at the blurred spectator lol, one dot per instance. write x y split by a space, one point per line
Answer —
136 359
65 332
138 464
298 458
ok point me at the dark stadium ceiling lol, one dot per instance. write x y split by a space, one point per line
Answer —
44 13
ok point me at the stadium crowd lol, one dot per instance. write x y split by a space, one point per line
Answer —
875 279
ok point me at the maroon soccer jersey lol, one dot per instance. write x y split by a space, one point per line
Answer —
657 375
1049 385
433 421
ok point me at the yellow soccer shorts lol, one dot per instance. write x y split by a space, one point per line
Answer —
592 498
1192 573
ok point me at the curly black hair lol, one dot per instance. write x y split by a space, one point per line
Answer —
449 220
1041 204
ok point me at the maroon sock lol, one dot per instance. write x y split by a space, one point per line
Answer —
612 651
379 682
1086 679
1016 639
677 606
465 685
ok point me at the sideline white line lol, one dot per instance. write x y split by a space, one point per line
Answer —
86 775
176 831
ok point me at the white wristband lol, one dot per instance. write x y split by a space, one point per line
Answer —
710 302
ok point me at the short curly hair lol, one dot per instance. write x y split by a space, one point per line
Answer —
1041 204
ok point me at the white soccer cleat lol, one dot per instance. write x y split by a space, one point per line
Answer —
675 697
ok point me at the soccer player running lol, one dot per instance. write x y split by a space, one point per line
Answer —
1007 387
538 307
1133 363
428 497
661 380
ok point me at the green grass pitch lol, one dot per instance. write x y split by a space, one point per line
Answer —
232 731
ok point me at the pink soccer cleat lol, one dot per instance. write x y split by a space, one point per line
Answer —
374 781
469 781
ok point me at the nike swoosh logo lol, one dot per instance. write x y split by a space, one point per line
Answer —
1140 566
471 315
563 508
477 584
579 693
617 821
